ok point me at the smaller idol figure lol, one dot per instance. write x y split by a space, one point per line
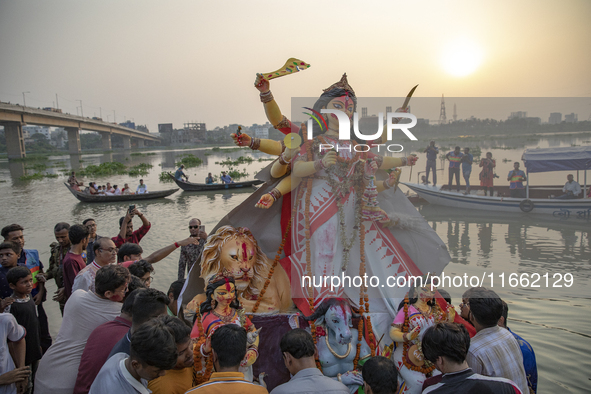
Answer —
221 307
417 312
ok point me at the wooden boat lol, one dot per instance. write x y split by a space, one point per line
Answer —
84 197
200 187
536 160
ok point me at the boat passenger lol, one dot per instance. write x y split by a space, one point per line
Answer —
209 179
455 158
142 188
109 188
126 190
226 178
431 152
92 188
487 174
117 191
571 188
517 177
100 191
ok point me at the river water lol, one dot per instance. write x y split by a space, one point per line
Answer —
556 322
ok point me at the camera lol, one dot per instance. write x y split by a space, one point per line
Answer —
131 208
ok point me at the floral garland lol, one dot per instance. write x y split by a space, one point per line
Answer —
199 376
309 182
340 188
341 169
427 367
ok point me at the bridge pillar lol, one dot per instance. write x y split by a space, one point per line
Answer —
126 142
106 141
15 142
73 140
140 143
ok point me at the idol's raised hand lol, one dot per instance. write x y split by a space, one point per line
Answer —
411 160
262 84
241 140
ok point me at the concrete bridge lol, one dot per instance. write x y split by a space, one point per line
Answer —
13 117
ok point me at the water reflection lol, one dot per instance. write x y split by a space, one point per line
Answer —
532 243
17 169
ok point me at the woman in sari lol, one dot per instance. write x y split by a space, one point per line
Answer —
488 173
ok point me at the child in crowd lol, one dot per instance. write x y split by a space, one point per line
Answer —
8 258
23 309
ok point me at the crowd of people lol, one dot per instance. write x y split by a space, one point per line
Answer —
120 335
105 295
105 190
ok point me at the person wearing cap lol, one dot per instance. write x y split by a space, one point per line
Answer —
179 174
226 178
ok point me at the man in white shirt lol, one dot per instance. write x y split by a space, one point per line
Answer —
117 191
493 350
105 253
153 352
571 188
142 188
12 331
84 312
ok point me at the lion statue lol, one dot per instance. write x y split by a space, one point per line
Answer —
235 251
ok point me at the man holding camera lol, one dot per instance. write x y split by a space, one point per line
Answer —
126 234
190 253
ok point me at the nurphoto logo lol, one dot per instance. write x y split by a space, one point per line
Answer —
392 123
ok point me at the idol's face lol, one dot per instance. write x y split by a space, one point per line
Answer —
344 104
426 292
225 294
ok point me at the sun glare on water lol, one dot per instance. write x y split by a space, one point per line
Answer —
461 57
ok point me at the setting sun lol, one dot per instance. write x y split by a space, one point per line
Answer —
462 57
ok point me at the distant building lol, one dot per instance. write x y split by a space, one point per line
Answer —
518 115
555 118
142 128
571 118
29 131
58 137
192 133
533 120
165 128
364 112
260 131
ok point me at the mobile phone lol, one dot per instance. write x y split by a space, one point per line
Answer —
238 132
131 208
201 227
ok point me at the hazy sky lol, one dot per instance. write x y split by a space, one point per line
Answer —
181 61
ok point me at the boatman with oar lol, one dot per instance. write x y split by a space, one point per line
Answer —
179 174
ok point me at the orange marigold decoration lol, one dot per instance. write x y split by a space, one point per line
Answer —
199 376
